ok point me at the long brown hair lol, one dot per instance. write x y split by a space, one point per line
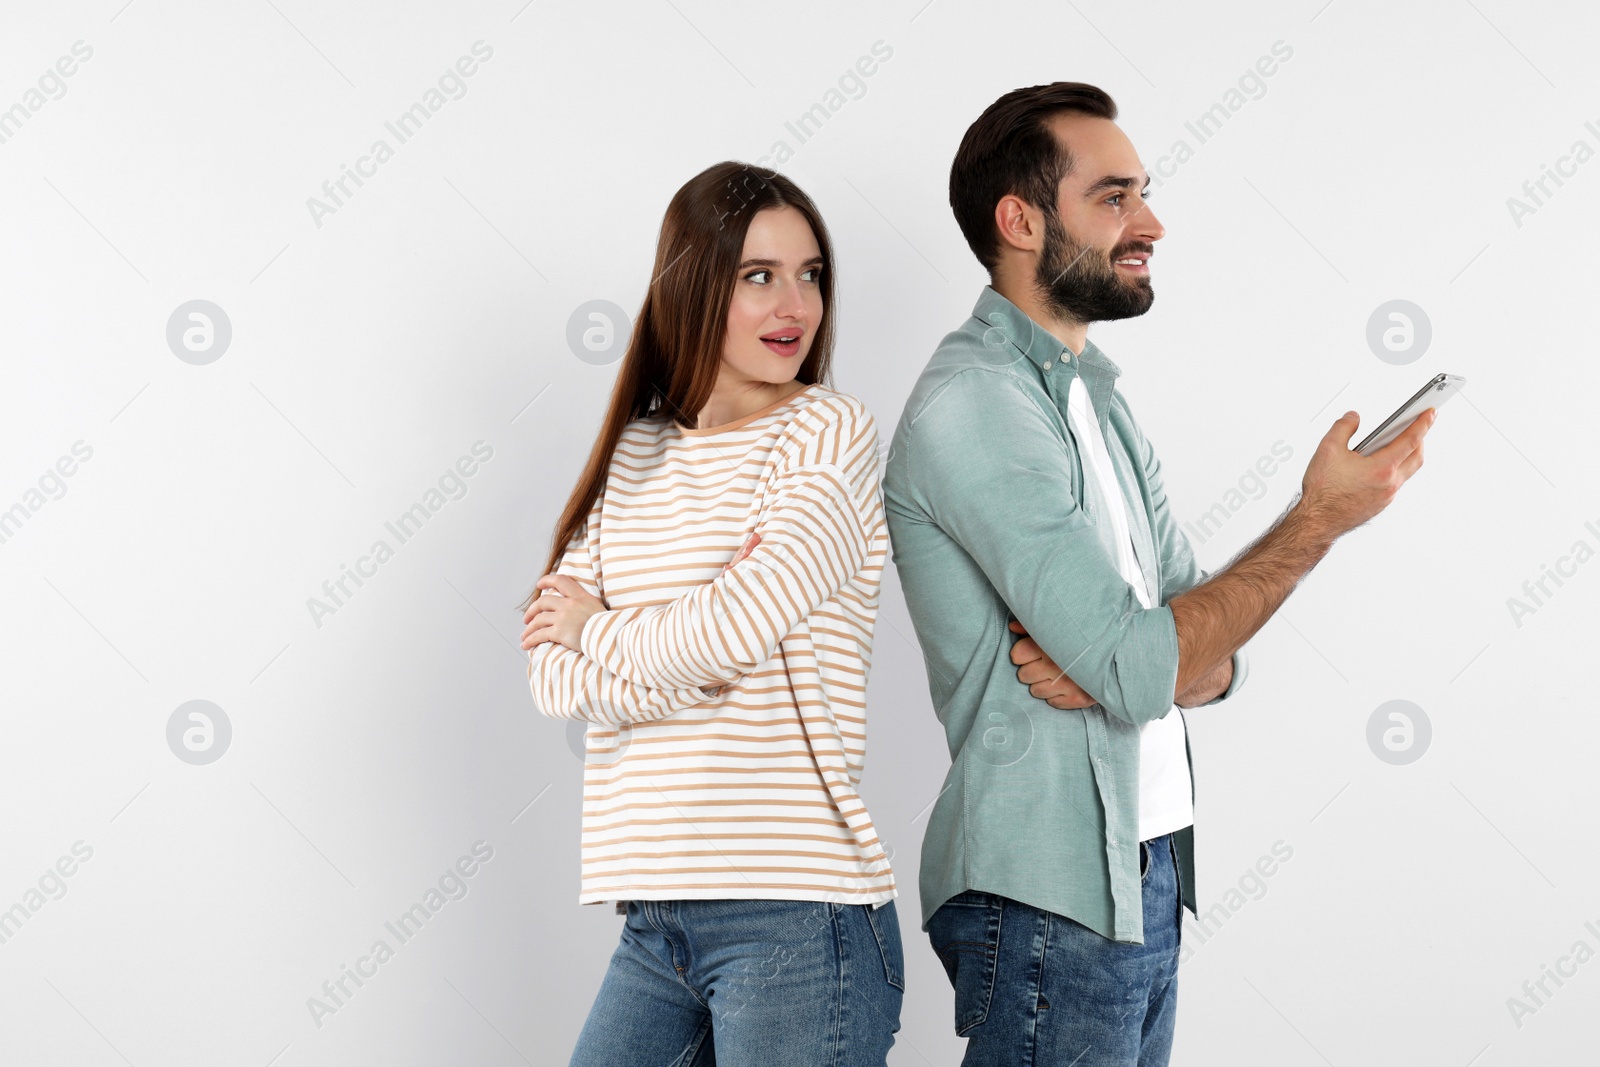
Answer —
675 352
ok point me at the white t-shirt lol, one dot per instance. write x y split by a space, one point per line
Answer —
1165 799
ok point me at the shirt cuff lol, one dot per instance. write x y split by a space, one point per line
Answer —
1145 666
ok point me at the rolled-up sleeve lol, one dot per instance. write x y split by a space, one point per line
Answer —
996 472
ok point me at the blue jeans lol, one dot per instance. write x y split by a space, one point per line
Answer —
748 983
1036 988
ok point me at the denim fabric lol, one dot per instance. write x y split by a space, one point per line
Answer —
1036 988
748 983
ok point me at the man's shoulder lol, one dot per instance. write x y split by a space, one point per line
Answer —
973 367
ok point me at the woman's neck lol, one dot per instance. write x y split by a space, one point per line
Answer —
732 402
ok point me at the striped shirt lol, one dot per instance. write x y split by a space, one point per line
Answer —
727 710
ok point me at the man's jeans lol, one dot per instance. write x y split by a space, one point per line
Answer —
748 983
1033 987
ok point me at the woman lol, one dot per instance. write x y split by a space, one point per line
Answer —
708 607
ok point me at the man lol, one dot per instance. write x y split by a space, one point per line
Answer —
1061 612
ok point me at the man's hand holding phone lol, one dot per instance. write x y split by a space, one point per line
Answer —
1343 489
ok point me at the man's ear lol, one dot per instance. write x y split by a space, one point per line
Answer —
1019 224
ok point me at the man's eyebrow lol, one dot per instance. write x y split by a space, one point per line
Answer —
1111 181
776 262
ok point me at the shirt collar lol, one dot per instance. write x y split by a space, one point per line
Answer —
1033 340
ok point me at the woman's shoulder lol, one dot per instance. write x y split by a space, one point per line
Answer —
808 412
823 406
829 426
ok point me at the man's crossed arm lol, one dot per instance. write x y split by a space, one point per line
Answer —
1051 684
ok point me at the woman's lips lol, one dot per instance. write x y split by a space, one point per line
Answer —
782 348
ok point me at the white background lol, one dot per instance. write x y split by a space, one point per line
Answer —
430 311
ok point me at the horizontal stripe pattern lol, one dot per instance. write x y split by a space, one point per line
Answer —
727 711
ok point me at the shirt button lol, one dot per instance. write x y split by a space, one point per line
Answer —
1047 364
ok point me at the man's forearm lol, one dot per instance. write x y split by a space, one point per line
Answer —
1215 618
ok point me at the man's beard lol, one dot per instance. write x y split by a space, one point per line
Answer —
1080 283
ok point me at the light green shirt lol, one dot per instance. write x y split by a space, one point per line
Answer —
991 518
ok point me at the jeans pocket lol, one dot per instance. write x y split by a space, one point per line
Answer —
885 926
965 933
1144 863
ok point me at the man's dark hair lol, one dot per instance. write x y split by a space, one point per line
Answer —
1011 149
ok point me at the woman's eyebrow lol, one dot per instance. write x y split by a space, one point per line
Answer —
775 262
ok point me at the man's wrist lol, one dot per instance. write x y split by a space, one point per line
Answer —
1208 688
1307 531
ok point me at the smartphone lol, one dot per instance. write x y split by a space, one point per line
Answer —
1441 387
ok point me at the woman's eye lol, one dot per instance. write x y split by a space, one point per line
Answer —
763 276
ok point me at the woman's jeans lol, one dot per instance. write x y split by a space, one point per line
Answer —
1033 987
748 983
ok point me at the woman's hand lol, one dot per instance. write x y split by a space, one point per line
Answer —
559 614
